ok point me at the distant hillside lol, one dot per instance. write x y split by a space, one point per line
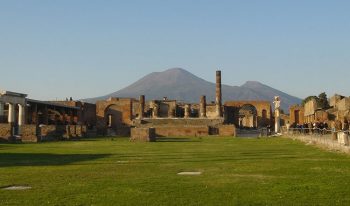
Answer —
181 85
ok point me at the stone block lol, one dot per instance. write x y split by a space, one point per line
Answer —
227 130
143 134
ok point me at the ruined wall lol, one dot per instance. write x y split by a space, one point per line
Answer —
29 133
182 131
335 99
88 114
179 122
52 132
343 104
227 130
310 107
119 108
211 111
296 114
263 108
5 132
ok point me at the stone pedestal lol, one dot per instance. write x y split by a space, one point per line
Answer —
343 138
277 121
227 130
143 134
155 109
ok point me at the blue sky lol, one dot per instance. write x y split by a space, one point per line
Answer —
58 49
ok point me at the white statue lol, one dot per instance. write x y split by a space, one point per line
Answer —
277 102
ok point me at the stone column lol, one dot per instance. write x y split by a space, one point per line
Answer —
21 118
218 99
1 112
21 115
142 106
155 109
187 111
11 115
203 107
171 113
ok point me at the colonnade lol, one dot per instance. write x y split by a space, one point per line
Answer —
11 118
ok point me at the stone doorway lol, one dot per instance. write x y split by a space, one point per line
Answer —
248 116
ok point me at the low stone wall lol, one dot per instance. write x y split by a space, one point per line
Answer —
143 134
227 130
29 133
179 122
182 131
52 132
324 141
5 132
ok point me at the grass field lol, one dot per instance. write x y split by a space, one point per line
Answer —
118 172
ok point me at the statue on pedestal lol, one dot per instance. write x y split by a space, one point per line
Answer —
277 103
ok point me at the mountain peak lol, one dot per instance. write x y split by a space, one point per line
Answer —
252 84
179 84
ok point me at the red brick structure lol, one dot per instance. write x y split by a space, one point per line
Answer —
248 113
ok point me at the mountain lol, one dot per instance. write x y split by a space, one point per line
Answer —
182 85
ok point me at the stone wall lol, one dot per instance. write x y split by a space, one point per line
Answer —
343 105
143 134
52 132
29 133
296 113
227 130
324 142
263 109
119 108
310 107
179 122
5 132
211 111
181 131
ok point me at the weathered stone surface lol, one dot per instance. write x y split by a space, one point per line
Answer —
182 131
143 134
5 132
227 130
29 133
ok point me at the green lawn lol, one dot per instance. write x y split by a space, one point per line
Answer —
118 172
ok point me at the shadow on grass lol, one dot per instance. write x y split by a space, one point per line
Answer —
44 159
176 139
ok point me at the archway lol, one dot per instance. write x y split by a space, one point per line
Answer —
113 116
248 116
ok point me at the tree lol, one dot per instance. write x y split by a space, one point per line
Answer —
323 101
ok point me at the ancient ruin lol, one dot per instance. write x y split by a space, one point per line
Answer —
35 120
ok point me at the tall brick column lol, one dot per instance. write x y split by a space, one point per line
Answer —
142 106
203 107
218 99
